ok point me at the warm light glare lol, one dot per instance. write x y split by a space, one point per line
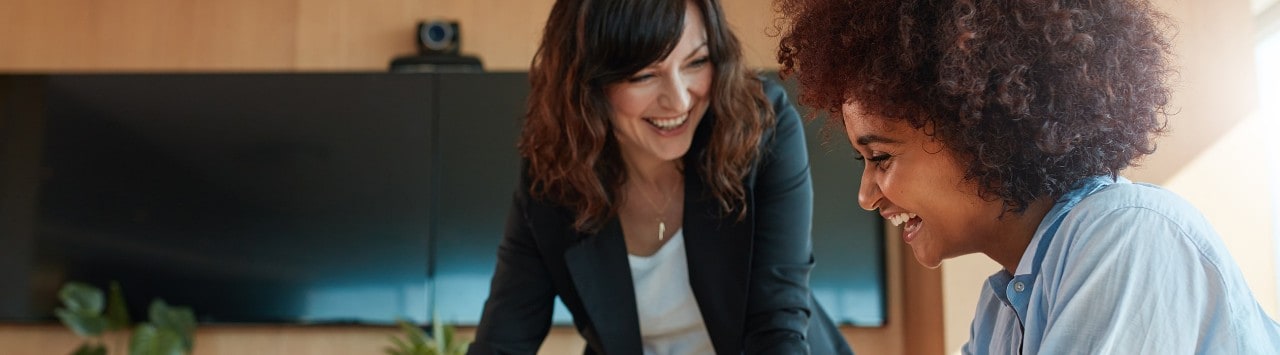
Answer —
1266 55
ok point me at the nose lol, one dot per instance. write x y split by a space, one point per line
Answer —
675 94
869 193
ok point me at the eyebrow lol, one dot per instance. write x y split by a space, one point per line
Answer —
871 138
692 54
695 50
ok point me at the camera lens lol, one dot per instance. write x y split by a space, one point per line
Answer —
436 32
437 35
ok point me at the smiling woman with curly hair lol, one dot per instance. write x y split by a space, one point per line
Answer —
1000 127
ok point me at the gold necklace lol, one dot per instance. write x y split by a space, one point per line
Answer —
662 212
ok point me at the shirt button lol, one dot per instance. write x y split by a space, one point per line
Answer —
1018 286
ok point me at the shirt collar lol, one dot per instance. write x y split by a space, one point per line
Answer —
1062 206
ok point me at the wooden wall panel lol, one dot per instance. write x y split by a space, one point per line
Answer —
146 35
753 22
507 39
255 339
887 339
250 34
924 331
345 35
503 33
285 35
43 33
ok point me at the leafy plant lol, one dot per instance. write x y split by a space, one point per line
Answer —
171 330
417 342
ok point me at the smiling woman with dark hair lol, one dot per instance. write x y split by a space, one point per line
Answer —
665 196
1000 127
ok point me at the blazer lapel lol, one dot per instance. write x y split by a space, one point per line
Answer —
602 276
718 248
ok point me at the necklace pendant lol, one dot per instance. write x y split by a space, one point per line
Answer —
662 230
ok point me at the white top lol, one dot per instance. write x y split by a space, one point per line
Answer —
670 321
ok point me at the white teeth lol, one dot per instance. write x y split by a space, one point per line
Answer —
669 123
899 219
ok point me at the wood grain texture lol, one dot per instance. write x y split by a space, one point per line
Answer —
146 35
753 23
922 294
344 35
261 339
503 33
285 35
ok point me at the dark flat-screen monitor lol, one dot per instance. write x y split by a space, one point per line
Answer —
357 198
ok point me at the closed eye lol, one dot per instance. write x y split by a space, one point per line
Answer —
879 160
700 62
638 78
874 158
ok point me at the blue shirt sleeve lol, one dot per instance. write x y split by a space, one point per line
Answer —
1134 269
1140 271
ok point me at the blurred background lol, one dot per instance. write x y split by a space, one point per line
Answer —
1220 152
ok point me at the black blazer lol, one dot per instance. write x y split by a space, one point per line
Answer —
750 278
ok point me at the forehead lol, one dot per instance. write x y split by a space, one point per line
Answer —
693 24
858 123
692 37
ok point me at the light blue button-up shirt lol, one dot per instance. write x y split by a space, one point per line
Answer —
1131 269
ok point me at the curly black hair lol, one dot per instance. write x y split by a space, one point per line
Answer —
1032 95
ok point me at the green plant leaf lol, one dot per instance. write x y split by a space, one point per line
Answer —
446 336
149 339
445 341
178 320
459 348
85 325
414 334
462 348
90 349
117 312
400 347
81 298
414 340
437 329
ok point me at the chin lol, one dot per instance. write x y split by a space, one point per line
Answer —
928 261
674 154
932 265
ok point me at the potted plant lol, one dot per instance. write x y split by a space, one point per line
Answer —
417 342
169 331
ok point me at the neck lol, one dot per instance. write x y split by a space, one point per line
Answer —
653 173
1012 240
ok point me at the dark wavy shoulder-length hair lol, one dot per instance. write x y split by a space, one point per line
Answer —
568 140
1032 95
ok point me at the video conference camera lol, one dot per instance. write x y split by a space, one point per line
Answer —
439 50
